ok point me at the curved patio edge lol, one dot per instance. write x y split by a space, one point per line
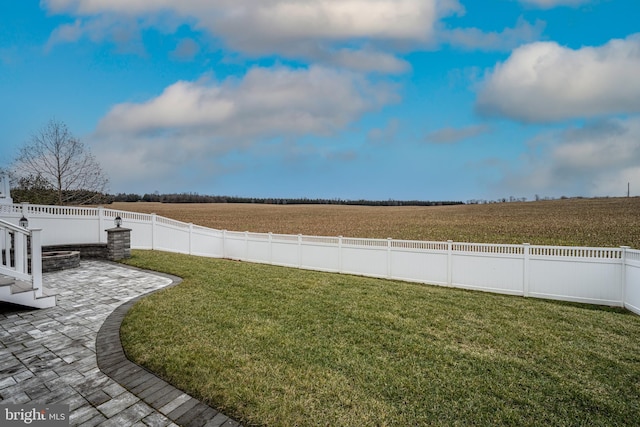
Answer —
172 402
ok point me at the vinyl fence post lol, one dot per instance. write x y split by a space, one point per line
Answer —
449 262
623 275
340 254
525 268
224 243
153 231
389 239
246 245
190 238
101 220
299 250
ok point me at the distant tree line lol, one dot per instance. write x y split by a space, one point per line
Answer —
512 199
198 198
35 190
509 199
38 191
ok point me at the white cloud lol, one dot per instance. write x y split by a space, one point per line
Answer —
122 32
509 38
67 33
385 135
194 122
368 61
616 182
250 25
186 50
450 135
597 159
246 22
360 35
355 34
266 102
332 19
545 82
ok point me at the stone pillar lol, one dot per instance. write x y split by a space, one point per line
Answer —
118 243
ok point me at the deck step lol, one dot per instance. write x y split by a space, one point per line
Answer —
20 286
48 292
23 293
6 280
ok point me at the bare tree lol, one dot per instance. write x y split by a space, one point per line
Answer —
54 158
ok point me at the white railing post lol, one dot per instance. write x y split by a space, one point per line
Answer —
190 238
449 262
526 248
389 257
20 252
623 275
7 248
299 250
270 248
36 261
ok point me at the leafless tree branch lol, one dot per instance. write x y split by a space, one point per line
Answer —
55 157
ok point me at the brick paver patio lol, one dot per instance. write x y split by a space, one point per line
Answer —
48 356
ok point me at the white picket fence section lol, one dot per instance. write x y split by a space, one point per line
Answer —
607 276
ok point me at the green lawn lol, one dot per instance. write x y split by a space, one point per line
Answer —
285 347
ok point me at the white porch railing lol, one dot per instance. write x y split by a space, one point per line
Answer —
21 254
608 276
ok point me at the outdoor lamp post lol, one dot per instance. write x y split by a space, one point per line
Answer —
24 222
118 241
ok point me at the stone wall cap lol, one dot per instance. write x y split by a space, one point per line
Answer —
118 229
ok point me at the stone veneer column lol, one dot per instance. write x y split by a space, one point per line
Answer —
118 243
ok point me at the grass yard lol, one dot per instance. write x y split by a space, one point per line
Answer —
283 347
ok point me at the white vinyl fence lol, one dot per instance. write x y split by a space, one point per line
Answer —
608 276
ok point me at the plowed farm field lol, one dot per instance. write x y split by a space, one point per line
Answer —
603 222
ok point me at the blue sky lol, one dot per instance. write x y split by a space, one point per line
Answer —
374 99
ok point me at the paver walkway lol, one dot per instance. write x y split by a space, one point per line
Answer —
49 356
